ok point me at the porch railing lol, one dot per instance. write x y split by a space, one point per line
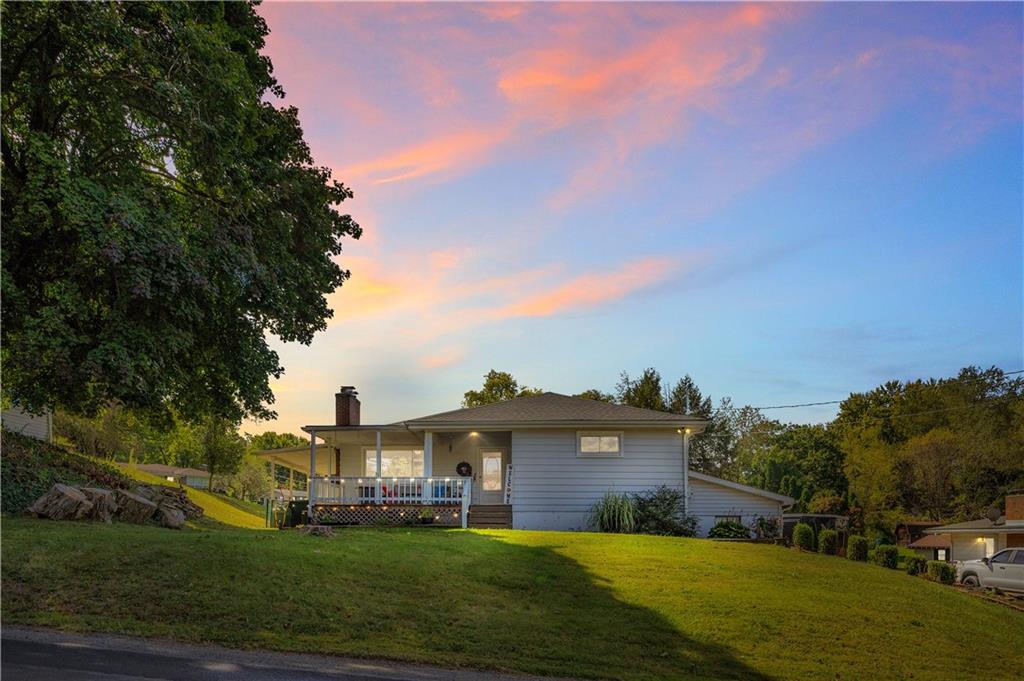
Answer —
338 490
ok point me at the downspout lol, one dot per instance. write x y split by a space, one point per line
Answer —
686 470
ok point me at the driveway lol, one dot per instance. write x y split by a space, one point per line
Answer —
46 655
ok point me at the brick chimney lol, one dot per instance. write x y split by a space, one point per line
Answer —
346 406
1015 505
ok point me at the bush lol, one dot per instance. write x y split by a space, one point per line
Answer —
803 537
614 513
916 565
828 542
729 529
886 555
857 548
663 511
941 571
766 527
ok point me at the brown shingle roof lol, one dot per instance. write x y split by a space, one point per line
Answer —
931 541
553 408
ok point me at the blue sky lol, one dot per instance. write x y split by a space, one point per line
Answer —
787 202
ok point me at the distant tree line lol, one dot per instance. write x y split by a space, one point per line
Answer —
936 449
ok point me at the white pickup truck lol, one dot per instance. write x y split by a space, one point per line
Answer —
1003 571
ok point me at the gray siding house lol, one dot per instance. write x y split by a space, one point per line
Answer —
533 463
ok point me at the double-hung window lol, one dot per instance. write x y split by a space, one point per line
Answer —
599 443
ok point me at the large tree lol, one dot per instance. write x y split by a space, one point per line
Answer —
162 217
498 387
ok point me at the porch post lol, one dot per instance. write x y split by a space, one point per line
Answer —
311 486
428 466
467 499
379 471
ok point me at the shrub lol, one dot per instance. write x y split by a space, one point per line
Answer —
803 537
729 529
916 565
766 527
887 555
857 548
828 541
941 571
614 513
663 511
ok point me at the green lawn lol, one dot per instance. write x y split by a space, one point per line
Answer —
630 607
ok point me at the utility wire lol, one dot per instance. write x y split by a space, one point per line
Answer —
819 404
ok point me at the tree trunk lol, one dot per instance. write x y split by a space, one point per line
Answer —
104 504
62 502
133 508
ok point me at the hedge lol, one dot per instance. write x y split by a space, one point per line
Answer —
828 541
803 537
857 548
941 571
887 555
916 565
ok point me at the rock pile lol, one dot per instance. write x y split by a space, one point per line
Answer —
168 506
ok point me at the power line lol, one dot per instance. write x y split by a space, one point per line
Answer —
819 404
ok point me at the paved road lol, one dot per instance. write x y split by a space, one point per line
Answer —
45 655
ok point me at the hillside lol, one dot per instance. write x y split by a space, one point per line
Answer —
29 468
572 604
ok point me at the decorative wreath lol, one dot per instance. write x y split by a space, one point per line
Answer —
464 469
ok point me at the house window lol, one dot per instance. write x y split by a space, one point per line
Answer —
395 463
940 554
599 444
728 519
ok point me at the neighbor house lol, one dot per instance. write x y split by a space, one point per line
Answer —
984 537
538 462
190 477
39 426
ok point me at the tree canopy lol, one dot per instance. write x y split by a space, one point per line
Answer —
498 387
161 215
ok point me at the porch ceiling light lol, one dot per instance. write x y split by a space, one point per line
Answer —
474 434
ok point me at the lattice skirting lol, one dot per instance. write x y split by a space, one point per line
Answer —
400 514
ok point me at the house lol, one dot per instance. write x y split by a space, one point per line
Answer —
538 462
982 538
932 547
190 477
39 426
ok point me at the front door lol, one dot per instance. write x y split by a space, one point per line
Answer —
489 478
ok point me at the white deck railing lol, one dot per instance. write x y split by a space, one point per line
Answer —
337 490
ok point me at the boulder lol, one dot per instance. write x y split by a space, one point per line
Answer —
171 517
104 506
132 508
62 502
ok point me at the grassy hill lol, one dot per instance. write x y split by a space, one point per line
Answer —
29 467
573 604
216 507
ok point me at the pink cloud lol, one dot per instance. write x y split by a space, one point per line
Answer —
592 290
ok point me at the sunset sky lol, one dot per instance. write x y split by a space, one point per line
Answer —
787 202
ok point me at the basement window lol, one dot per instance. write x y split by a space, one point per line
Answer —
599 444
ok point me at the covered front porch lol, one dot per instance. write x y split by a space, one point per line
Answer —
368 475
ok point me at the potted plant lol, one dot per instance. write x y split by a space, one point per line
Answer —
426 516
